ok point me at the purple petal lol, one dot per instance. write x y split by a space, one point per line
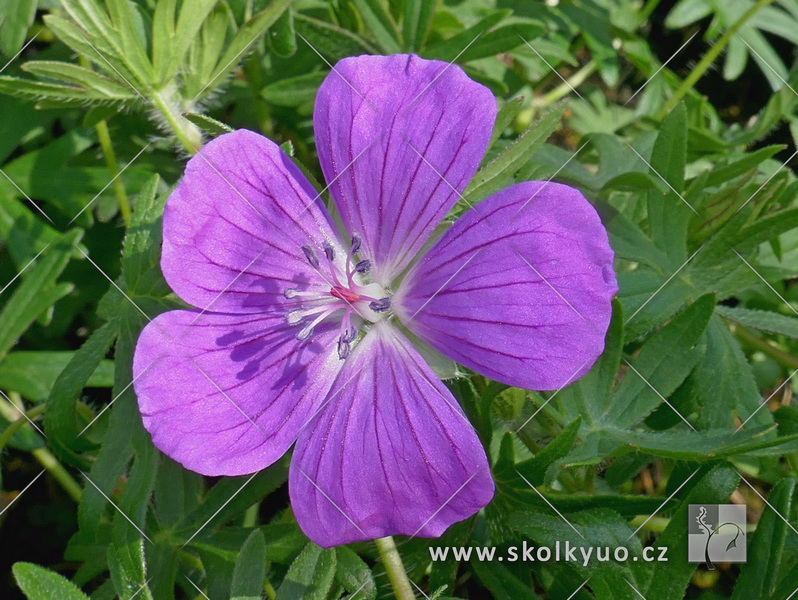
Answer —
227 394
235 226
519 289
375 117
390 453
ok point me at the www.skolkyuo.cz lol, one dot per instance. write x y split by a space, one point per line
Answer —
560 552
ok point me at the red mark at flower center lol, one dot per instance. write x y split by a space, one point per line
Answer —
344 294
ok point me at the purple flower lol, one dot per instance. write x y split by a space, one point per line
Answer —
303 334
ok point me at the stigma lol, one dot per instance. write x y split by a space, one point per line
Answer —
348 299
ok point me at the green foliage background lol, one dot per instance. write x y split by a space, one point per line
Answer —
677 119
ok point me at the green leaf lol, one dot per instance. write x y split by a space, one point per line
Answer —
663 363
25 234
39 583
501 582
177 492
588 397
722 175
126 554
534 469
310 576
597 528
417 22
331 41
717 268
668 580
628 240
15 19
60 419
208 124
232 496
759 576
505 117
380 24
723 383
282 35
294 91
141 250
133 51
495 174
37 291
354 574
81 77
243 42
450 48
668 215
33 374
99 47
688 11
250 569
764 320
171 41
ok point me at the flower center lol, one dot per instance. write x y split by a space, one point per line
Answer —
348 298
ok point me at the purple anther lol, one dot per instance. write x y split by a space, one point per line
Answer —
310 254
380 305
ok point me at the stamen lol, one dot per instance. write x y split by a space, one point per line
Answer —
380 305
329 251
307 330
343 349
310 254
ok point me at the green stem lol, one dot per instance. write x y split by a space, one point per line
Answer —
567 86
110 160
780 356
186 132
15 425
396 570
43 455
59 473
708 59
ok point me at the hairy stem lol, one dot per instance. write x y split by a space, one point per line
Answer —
708 59
186 132
396 570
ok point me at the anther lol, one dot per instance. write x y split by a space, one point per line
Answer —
356 242
363 266
343 348
310 255
380 305
329 251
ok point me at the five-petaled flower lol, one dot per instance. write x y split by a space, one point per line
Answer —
303 332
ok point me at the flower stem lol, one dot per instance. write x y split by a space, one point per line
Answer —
708 59
15 425
43 455
186 132
780 356
396 570
567 86
59 473
110 159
